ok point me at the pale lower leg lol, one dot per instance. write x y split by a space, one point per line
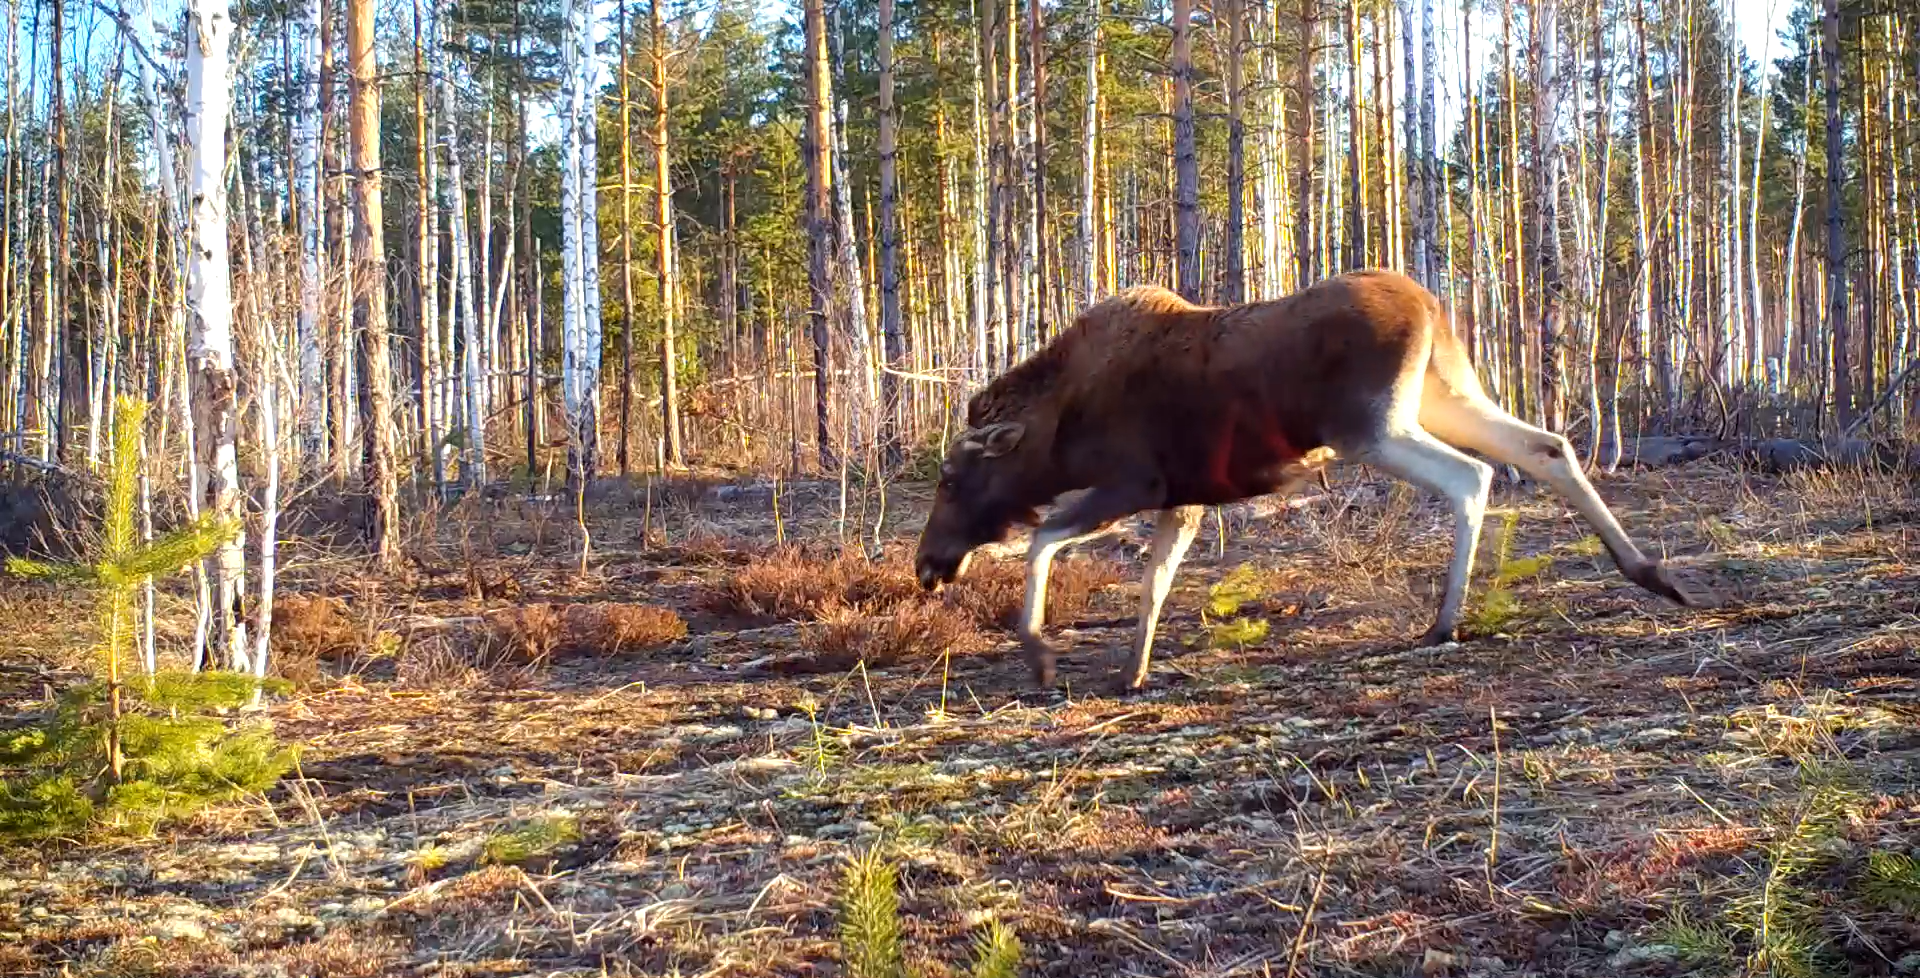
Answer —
1548 457
1463 482
1084 518
1173 533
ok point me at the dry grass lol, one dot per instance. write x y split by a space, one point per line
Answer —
313 628
529 633
1341 806
909 630
791 584
994 591
612 628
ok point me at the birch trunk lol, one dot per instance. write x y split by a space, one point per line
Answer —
210 312
579 266
461 313
427 229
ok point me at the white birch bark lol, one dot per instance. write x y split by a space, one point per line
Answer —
580 297
210 308
852 277
99 395
312 393
474 463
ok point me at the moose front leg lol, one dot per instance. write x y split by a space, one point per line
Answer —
1173 532
1083 518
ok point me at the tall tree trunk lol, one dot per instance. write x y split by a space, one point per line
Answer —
461 309
1042 266
981 181
56 284
1303 221
852 278
307 189
663 217
1236 257
1089 182
1358 251
889 244
627 320
819 221
210 312
1546 229
1836 223
427 228
1186 163
369 290
580 328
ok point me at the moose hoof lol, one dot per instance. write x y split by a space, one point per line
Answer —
1659 579
1040 657
1438 638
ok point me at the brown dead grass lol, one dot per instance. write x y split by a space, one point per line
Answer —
909 630
791 584
528 633
312 628
993 592
611 628
336 954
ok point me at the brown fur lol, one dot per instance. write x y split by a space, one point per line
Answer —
1153 403
1284 378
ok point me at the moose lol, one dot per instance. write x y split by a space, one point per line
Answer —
1150 403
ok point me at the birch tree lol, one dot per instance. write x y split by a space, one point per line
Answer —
580 272
210 313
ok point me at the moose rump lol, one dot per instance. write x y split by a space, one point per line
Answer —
1151 403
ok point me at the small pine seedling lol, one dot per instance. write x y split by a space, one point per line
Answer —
1893 881
871 941
996 954
870 918
1498 607
132 754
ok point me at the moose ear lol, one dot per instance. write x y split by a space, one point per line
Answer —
1001 438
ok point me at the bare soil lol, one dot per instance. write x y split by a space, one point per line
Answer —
489 791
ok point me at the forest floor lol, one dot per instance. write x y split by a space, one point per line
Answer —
511 767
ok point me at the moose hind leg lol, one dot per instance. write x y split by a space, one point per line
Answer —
1173 533
1463 481
1479 425
1085 517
